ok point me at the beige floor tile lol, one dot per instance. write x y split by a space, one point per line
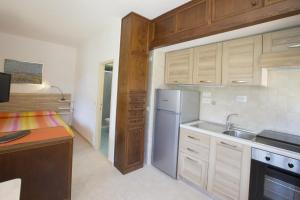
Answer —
94 178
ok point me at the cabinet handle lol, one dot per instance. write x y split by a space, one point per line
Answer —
294 46
239 81
253 3
195 161
205 81
193 138
192 150
230 145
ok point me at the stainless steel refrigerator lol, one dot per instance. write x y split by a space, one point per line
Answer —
173 107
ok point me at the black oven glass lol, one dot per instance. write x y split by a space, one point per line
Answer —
272 183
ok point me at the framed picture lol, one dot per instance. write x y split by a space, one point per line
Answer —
24 72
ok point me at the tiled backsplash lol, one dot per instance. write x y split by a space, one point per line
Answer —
276 107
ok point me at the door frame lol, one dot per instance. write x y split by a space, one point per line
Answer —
100 103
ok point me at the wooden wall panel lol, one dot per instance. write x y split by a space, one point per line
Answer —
23 102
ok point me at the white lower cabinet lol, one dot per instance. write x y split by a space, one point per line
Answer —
224 173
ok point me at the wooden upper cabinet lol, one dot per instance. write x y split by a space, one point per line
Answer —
222 9
165 26
240 61
189 16
229 170
179 67
201 18
282 41
193 16
208 64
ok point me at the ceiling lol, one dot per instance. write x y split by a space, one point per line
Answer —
70 22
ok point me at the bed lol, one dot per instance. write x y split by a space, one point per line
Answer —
42 159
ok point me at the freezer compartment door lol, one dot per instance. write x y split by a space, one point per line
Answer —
165 145
168 100
190 106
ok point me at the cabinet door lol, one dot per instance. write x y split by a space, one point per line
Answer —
240 61
270 2
282 41
193 170
208 64
229 170
222 9
193 16
179 67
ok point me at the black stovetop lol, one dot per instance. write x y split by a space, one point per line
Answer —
280 140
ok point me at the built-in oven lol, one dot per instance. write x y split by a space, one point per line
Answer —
274 177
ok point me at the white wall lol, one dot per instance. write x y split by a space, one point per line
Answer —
91 55
59 62
273 108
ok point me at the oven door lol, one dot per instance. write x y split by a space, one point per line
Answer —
272 183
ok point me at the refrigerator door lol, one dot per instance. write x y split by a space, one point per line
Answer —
165 144
168 100
190 106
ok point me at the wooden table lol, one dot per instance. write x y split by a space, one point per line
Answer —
43 161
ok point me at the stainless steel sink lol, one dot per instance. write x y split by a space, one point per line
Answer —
240 134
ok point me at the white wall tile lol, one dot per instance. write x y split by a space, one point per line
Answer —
276 107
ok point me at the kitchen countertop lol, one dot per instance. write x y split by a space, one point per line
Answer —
216 130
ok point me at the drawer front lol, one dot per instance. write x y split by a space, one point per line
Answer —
229 144
194 150
195 138
193 170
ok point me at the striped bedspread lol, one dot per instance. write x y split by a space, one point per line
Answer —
10 122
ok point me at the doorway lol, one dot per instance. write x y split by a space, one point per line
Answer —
106 72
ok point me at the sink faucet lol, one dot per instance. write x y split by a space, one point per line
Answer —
229 124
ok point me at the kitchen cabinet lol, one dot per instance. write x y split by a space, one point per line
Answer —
222 9
191 15
240 61
229 169
179 67
282 41
270 2
132 94
220 166
193 170
194 15
207 64
193 157
201 18
281 48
